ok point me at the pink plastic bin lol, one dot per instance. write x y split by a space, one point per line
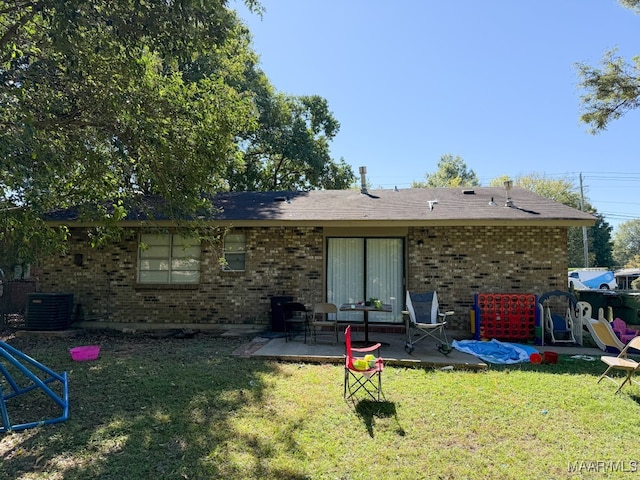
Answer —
85 353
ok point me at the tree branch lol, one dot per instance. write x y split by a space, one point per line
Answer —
23 20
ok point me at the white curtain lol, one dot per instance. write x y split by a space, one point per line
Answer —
384 276
359 269
345 272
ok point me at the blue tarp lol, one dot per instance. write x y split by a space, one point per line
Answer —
495 351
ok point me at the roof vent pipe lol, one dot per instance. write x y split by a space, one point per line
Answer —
363 180
508 185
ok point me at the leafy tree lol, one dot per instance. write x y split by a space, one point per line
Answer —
612 89
563 191
96 106
626 244
599 243
104 103
289 150
560 190
288 147
602 246
633 4
633 262
452 172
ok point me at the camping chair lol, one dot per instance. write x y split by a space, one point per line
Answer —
424 319
362 373
320 320
624 333
296 320
622 362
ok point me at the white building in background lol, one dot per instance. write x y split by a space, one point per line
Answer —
625 276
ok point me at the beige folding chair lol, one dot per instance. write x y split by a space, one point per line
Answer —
622 362
325 321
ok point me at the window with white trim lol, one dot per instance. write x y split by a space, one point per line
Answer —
168 259
234 252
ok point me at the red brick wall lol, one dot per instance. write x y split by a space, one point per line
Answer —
459 262
279 261
455 261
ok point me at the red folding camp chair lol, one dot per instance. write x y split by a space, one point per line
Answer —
362 373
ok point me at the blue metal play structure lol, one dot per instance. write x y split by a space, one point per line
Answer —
23 375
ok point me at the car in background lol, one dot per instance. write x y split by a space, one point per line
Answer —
592 279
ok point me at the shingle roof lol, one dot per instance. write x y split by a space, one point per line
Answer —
404 207
480 205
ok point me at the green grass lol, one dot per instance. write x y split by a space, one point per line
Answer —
188 409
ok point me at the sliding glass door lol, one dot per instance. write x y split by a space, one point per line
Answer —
362 268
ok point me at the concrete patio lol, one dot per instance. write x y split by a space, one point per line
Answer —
425 355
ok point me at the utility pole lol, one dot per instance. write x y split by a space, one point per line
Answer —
585 244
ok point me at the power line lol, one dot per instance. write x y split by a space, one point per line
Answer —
594 187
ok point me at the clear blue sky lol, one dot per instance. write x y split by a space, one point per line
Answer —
492 81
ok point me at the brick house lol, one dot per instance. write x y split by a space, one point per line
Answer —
337 246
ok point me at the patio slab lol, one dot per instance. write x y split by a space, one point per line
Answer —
425 354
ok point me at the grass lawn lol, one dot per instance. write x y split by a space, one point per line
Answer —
168 408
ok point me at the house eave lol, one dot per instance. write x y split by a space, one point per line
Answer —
348 223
